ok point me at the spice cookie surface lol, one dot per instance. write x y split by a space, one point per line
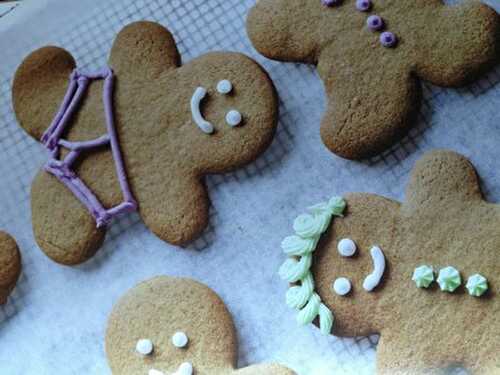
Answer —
371 55
423 273
175 326
10 265
140 134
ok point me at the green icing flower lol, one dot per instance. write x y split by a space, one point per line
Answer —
449 279
423 276
477 285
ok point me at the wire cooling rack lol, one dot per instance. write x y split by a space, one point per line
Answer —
55 320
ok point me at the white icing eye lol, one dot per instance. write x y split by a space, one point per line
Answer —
233 118
180 340
224 87
342 286
144 347
185 369
346 247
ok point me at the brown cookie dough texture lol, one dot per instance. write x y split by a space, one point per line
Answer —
10 265
443 222
157 309
374 92
165 154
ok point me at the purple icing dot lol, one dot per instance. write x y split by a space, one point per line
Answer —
375 23
330 3
388 39
363 5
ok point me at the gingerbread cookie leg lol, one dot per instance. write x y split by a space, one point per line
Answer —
403 357
63 227
181 219
365 116
10 265
471 45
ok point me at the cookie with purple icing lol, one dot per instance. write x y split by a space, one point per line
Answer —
140 134
10 265
372 54
423 273
169 325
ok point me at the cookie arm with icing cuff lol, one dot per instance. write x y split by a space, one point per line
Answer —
373 279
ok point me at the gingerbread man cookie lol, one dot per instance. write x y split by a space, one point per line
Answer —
371 55
10 265
178 326
140 134
423 274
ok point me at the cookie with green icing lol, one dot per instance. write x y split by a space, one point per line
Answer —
443 228
169 325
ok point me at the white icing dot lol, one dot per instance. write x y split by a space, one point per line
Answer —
185 369
224 87
346 247
180 340
342 286
233 118
144 347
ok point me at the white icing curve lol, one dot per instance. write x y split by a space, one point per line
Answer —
373 279
198 96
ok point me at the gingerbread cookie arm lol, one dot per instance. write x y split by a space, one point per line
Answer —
458 43
63 227
265 369
10 265
274 36
143 51
39 87
441 177
367 115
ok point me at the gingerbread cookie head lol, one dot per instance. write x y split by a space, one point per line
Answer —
140 134
175 326
422 273
371 54
10 265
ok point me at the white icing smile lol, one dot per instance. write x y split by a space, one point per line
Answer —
233 117
204 125
373 279
184 369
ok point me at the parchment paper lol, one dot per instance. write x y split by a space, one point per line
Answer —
54 323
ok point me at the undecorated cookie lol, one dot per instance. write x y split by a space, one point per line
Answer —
371 55
139 134
10 265
168 325
409 272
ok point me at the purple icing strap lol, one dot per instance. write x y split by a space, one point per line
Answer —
61 169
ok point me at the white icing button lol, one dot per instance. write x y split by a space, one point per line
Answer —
144 347
180 340
155 372
233 118
346 247
185 369
342 286
224 87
